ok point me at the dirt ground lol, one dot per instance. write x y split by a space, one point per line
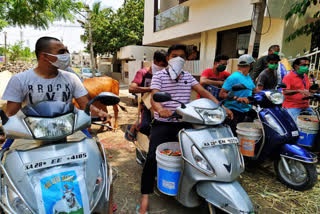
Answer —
268 195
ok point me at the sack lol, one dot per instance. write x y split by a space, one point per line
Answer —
145 124
213 90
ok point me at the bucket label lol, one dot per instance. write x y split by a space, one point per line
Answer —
168 184
247 147
168 181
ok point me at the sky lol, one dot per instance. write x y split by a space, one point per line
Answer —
68 32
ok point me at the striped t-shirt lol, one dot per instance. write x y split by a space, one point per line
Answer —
179 90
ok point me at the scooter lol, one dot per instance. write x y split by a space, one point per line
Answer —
211 161
52 164
293 164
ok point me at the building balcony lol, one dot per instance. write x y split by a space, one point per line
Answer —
171 17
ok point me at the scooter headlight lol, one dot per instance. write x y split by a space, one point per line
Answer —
273 124
201 162
212 116
51 128
16 203
276 98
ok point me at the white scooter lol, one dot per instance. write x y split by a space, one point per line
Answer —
51 166
211 158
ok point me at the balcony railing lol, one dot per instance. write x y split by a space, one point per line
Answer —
173 16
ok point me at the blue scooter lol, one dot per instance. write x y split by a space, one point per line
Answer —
293 164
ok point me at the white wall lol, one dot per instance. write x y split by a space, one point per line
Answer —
135 52
204 16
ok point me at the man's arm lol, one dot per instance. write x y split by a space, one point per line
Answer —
83 101
12 108
206 81
206 94
134 88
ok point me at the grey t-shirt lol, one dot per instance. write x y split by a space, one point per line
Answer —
29 88
267 79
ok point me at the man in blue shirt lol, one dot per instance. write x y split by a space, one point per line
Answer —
240 106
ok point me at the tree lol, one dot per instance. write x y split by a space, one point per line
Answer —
300 8
112 30
36 13
15 51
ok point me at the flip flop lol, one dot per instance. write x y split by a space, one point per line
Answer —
128 133
137 210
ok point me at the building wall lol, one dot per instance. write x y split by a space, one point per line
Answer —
301 43
167 4
273 37
202 17
135 52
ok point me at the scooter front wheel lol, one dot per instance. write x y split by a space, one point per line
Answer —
303 176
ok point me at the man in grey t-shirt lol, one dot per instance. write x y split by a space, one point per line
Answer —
268 78
47 81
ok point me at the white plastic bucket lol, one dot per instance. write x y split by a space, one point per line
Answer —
168 169
248 134
308 129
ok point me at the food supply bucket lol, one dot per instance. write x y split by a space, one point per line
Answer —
248 135
308 129
168 169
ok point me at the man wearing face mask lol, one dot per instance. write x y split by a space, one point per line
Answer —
261 63
212 79
141 84
298 86
47 81
268 78
240 107
178 84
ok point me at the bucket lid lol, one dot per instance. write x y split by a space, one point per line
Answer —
250 127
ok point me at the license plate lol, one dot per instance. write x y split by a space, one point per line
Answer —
231 140
41 164
295 133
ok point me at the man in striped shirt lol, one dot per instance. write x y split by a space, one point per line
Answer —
178 84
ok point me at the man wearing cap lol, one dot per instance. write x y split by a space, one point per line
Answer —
240 107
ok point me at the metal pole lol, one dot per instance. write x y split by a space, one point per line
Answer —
93 67
5 51
257 23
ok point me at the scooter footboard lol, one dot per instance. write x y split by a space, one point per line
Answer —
230 197
296 152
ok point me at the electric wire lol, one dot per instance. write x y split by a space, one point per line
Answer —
253 15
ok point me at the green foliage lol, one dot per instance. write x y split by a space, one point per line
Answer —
112 30
18 51
1 51
36 13
300 8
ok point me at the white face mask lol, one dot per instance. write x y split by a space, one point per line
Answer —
62 62
155 68
175 67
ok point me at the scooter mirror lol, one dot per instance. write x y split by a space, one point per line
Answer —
161 97
282 85
230 95
238 87
107 98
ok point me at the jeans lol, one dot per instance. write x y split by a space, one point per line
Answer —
295 112
161 132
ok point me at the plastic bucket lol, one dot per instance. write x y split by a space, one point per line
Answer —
248 135
168 169
308 129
